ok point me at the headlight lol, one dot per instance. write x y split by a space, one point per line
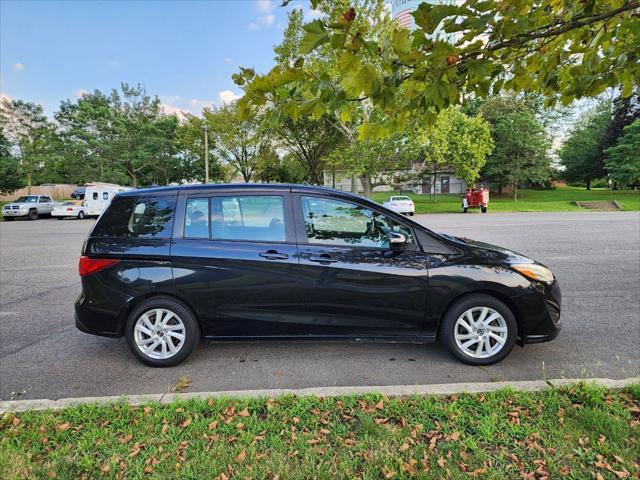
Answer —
535 272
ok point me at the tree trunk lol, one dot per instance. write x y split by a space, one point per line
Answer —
367 185
354 184
133 180
28 183
515 191
589 184
500 189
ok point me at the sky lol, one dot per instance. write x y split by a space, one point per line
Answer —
182 51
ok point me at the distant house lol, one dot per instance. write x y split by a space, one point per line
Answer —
400 180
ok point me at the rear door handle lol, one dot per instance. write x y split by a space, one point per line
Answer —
323 258
274 255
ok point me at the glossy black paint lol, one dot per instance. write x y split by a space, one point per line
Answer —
240 289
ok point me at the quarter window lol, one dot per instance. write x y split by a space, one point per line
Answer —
333 222
137 217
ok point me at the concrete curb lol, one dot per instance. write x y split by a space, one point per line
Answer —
389 391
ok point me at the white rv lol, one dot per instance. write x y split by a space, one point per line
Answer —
98 196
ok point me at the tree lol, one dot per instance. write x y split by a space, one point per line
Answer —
236 140
10 177
26 126
456 141
310 141
580 153
521 144
271 168
560 50
623 162
625 112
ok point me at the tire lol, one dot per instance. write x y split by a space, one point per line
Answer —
33 214
484 209
60 218
450 325
411 214
181 313
80 215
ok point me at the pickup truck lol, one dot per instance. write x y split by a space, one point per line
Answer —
29 206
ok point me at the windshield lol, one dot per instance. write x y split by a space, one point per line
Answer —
28 199
69 203
400 198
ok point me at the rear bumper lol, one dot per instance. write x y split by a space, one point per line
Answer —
96 320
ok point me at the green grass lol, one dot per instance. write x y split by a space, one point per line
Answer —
558 200
573 432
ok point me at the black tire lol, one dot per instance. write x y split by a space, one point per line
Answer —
465 303
33 214
60 218
484 209
192 330
80 215
411 214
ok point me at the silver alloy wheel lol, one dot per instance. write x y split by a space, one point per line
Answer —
480 332
159 333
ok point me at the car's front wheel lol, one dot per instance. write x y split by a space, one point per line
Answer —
162 332
479 330
80 215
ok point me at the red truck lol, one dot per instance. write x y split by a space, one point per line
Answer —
475 198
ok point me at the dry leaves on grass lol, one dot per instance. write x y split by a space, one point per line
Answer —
182 385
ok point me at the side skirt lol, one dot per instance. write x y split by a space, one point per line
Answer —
419 339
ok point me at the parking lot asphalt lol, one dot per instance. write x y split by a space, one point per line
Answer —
596 257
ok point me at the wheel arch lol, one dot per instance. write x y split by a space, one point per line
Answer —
509 302
135 301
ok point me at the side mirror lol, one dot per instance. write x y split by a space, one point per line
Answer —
397 240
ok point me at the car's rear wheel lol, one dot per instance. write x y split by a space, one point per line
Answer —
162 332
81 215
33 214
479 330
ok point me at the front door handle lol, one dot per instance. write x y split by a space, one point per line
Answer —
322 258
274 255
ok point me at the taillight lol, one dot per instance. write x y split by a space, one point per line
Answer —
69 209
88 265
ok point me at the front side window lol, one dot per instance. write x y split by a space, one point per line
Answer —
27 199
257 218
95 195
137 217
334 222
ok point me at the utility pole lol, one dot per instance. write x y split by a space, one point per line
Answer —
205 127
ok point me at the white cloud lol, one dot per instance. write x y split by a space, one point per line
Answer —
311 14
79 93
18 66
227 96
228 60
173 110
265 6
254 26
267 20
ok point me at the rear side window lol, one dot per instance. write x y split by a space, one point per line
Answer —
196 222
137 217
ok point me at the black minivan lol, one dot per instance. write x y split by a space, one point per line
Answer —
167 266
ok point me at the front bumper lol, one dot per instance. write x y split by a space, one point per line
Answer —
548 325
15 213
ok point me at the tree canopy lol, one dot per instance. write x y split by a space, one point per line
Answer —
560 50
623 159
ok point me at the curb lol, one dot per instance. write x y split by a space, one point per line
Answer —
389 391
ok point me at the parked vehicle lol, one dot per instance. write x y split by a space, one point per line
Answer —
97 197
400 204
166 266
78 193
476 198
71 208
28 206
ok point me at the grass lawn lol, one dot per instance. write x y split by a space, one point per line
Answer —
557 200
575 432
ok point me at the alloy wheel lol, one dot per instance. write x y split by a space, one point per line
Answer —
480 332
159 333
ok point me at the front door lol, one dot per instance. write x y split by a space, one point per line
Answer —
354 283
235 260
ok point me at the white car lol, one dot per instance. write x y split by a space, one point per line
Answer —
71 208
400 204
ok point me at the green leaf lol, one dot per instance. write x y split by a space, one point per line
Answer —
401 41
315 36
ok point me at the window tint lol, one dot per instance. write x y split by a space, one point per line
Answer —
251 217
196 222
105 195
335 222
95 195
137 217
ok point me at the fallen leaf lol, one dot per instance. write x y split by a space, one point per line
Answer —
241 456
380 405
105 468
15 421
455 436
404 447
244 413
441 462
185 423
63 427
126 438
213 425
